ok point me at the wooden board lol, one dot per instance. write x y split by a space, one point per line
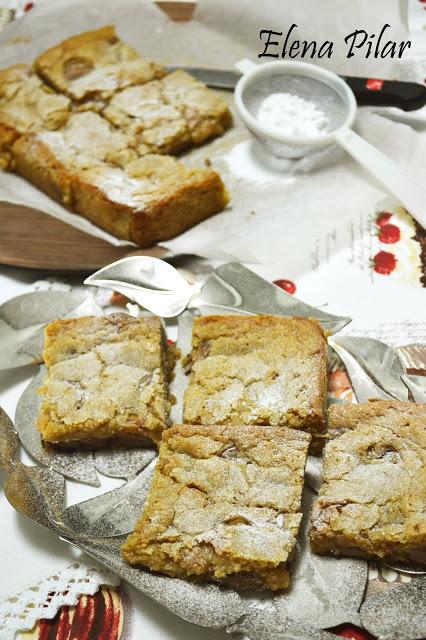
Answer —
178 10
31 239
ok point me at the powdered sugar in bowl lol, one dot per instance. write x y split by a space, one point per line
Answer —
294 109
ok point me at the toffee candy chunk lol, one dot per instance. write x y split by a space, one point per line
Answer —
106 382
258 370
224 505
373 498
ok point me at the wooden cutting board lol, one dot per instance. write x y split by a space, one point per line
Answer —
31 239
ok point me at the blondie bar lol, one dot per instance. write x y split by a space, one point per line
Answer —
51 159
373 498
150 199
26 104
224 505
258 370
93 65
169 115
107 382
154 198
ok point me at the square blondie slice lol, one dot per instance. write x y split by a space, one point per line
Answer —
258 370
169 115
26 104
373 498
206 113
51 159
107 382
224 505
153 198
93 65
142 112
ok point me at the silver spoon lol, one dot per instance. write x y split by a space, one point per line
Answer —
231 288
417 387
154 284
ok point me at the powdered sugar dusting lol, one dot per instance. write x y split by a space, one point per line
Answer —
291 115
249 161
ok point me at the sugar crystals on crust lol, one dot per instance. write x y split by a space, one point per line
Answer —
224 505
106 382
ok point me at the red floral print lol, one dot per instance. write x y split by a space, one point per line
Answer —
383 218
97 617
338 381
389 233
350 631
384 262
287 285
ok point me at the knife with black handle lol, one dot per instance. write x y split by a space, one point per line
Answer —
373 92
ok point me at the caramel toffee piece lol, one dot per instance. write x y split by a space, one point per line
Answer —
224 505
257 370
106 382
373 498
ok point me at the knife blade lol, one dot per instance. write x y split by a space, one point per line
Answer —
216 78
407 96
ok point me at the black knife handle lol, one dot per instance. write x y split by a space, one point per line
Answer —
368 91
387 93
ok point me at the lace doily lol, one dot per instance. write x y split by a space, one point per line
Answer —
43 600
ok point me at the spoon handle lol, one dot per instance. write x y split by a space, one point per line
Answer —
399 183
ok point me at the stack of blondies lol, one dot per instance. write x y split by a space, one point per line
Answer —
95 126
225 500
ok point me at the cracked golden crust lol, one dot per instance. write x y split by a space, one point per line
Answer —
373 498
207 114
8 135
107 172
106 382
257 370
89 140
26 104
391 414
94 65
169 115
36 162
155 198
52 160
223 505
151 199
